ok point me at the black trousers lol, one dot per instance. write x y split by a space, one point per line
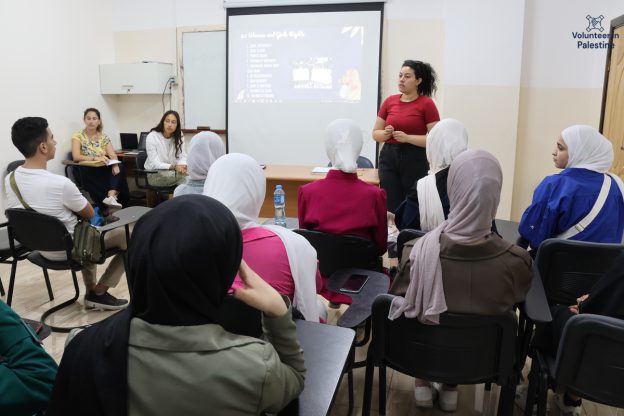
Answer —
97 181
400 166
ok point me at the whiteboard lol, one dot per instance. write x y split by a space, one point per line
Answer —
203 64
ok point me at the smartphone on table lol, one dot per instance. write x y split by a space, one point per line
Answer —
354 283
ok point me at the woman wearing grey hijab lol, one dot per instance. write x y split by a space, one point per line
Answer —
461 266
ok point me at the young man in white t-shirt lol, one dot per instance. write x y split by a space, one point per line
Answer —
57 196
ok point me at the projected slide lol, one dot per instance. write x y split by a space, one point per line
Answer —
291 74
295 65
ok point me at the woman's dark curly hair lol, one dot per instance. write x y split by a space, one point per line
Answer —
177 134
424 71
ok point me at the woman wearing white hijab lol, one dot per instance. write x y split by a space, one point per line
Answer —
205 148
583 202
284 259
427 204
341 203
461 266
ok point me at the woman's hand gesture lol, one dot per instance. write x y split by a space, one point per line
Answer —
259 294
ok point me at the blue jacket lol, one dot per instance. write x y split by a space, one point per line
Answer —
561 201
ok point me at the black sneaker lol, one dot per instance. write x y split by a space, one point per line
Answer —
105 301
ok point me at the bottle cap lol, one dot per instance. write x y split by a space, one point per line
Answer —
278 186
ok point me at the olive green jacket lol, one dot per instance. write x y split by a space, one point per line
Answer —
205 370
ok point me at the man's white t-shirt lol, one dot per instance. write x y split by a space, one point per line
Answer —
49 194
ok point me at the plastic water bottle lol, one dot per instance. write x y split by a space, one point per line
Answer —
279 201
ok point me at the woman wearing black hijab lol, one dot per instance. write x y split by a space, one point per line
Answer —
165 354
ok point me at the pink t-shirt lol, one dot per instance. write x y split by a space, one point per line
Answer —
265 253
411 117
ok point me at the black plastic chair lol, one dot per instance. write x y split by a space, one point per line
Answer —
5 248
6 255
141 180
336 252
39 232
570 269
589 364
404 236
567 269
14 165
463 349
361 162
341 256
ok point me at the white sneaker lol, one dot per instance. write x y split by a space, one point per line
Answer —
423 396
447 399
111 201
566 410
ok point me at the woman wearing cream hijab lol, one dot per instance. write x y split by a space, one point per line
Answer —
427 204
582 202
283 258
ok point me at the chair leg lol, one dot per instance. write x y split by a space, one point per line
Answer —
542 394
47 282
12 281
382 389
506 399
533 386
61 306
368 388
350 381
1 288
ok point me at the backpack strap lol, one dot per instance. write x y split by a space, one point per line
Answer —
17 192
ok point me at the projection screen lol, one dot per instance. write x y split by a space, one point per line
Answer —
292 70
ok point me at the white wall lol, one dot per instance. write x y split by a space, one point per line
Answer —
509 70
561 85
49 57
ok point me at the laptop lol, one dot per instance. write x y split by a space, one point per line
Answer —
129 141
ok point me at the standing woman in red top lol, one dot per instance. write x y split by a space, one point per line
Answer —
402 125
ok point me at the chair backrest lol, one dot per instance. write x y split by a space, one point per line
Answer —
142 140
361 162
14 165
590 362
364 162
342 251
570 269
140 159
38 231
73 172
463 349
239 318
406 235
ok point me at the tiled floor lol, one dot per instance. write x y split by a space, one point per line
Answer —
30 300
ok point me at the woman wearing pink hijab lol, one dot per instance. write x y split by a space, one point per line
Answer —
461 266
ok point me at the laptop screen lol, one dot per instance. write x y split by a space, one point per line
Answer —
129 141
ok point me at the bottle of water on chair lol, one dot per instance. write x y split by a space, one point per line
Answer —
279 201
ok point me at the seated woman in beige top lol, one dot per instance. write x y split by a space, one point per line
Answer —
461 266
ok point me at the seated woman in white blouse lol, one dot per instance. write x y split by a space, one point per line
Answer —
165 151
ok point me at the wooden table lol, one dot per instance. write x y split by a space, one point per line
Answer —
291 178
